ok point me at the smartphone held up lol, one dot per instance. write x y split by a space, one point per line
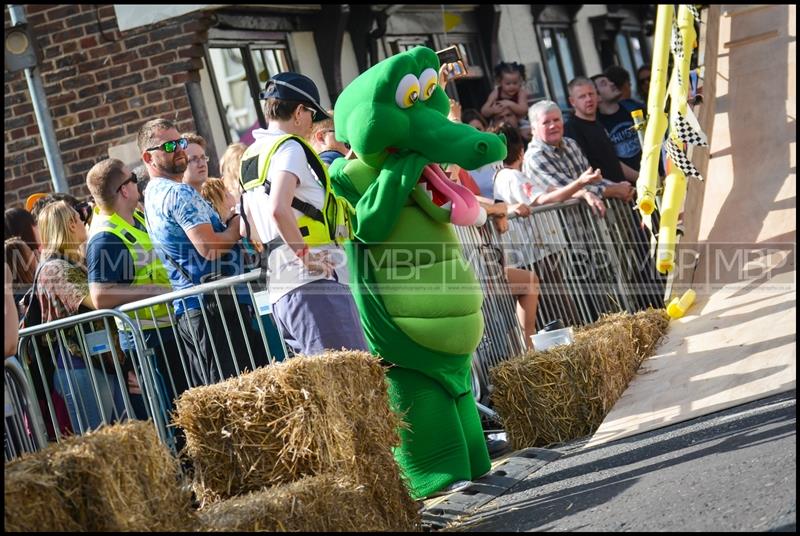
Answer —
450 58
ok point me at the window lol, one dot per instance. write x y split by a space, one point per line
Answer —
401 43
629 50
559 48
238 74
560 61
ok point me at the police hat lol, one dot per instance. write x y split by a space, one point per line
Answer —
296 87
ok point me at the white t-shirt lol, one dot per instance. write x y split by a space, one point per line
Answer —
483 177
287 272
513 186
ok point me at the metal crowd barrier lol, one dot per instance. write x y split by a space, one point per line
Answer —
77 378
587 266
502 334
249 326
24 429
644 283
248 337
55 393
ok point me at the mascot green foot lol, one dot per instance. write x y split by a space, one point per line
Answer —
445 443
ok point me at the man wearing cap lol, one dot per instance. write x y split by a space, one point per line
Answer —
288 200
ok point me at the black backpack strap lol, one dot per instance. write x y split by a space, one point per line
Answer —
32 292
306 208
243 215
178 267
250 172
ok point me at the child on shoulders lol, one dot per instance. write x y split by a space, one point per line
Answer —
508 94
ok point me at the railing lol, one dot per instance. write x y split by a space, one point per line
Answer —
24 428
82 375
587 266
259 338
75 371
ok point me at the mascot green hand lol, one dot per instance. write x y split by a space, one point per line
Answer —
419 302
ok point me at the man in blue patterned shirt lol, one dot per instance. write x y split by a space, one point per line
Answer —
555 161
194 245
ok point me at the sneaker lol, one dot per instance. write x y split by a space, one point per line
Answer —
458 485
496 447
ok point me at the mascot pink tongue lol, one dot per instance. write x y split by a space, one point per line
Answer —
465 209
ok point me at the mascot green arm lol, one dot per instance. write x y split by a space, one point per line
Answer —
379 207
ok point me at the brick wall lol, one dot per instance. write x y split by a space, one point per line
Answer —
101 86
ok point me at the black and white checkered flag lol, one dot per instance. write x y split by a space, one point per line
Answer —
676 43
693 10
676 80
687 129
680 159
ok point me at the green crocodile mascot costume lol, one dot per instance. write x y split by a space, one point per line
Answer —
419 302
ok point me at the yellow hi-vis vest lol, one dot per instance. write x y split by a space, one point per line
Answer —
318 227
148 267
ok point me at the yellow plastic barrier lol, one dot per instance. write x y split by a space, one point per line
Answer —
679 93
678 306
675 183
674 192
656 118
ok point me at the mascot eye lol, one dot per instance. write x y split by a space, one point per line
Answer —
407 91
428 80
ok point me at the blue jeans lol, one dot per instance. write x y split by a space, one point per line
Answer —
87 407
156 361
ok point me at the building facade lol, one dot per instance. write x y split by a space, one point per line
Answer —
106 69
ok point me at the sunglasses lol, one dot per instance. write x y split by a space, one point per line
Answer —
171 146
133 178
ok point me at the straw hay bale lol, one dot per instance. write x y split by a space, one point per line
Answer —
322 503
309 415
33 500
565 392
118 478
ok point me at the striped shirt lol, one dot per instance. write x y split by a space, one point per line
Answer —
557 166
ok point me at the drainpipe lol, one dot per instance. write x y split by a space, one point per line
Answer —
43 118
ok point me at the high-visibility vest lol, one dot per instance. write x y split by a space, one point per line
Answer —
149 269
330 225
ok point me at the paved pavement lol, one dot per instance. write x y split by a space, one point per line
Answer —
729 471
